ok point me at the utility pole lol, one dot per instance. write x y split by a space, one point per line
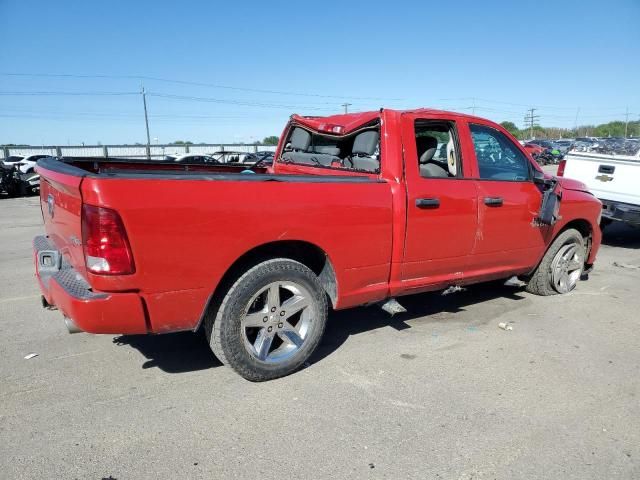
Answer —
346 107
626 122
473 107
146 123
531 119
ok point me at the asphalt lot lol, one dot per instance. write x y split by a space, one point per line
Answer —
438 393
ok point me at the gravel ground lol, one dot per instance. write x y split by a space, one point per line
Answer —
438 393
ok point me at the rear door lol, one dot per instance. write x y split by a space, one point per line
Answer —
61 205
442 211
508 203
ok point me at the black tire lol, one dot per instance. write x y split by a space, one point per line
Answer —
227 336
541 282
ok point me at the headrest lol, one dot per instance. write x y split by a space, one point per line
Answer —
427 147
365 143
327 150
300 139
451 158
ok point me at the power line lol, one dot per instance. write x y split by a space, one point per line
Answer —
233 102
185 82
67 93
540 107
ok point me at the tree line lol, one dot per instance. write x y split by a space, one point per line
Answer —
611 129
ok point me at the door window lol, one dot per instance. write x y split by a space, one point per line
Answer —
498 158
437 149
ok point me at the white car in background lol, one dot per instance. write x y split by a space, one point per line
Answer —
12 160
190 158
28 163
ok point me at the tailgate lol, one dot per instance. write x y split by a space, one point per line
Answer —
61 203
608 178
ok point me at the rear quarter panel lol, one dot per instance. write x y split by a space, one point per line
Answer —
186 233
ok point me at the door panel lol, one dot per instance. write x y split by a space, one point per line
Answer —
509 239
442 213
440 239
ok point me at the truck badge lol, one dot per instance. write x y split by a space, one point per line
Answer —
604 178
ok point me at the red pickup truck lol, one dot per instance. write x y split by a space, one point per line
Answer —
356 209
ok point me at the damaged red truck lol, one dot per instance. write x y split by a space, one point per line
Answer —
356 209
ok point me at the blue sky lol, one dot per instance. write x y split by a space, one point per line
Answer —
308 58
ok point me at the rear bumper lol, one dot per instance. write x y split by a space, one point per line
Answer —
623 212
84 309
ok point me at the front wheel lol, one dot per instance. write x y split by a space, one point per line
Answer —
561 267
270 321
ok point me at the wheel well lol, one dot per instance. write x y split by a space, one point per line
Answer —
306 253
583 226
586 230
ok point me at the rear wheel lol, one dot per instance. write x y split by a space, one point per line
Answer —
561 267
270 321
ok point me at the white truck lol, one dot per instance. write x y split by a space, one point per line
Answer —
613 179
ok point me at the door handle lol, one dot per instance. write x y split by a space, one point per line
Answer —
427 202
493 201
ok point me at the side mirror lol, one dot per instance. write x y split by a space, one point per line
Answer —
550 207
538 177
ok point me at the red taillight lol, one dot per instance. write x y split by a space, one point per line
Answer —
106 246
561 166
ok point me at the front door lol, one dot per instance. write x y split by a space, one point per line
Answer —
442 210
509 238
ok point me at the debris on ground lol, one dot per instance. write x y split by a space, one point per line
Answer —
626 265
514 282
505 326
453 289
392 306
30 356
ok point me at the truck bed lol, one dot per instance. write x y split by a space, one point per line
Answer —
113 166
188 226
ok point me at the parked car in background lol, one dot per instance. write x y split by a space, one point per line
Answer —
9 180
265 157
534 149
543 143
231 156
618 146
357 209
196 159
30 183
613 178
28 163
563 145
13 182
12 160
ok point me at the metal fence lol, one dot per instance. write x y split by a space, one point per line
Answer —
128 151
